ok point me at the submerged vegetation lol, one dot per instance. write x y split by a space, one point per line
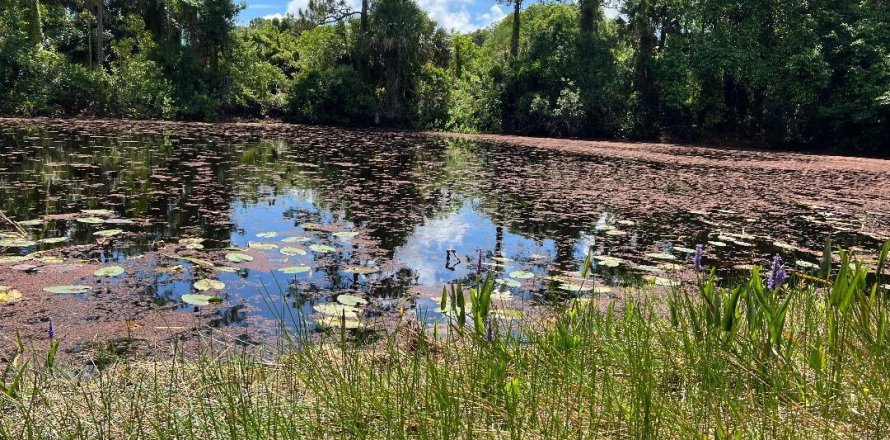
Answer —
780 354
792 73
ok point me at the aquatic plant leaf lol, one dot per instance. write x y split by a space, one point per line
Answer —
17 243
98 212
336 310
8 294
336 322
292 251
225 269
296 239
616 232
322 248
626 222
200 300
237 257
110 271
35 222
345 234
684 250
663 282
312 226
508 314
508 282
661 256
293 270
502 259
118 221
361 270
13 259
267 234
351 300
91 220
522 275
208 284
263 246
717 243
50 260
67 289
572 287
805 264
108 232
53 240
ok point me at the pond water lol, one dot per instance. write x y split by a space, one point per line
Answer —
376 217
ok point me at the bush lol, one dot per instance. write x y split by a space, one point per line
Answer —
76 90
336 97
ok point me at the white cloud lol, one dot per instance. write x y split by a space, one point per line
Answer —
494 15
274 16
450 14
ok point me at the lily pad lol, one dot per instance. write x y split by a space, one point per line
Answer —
571 287
508 282
336 322
13 259
626 222
293 270
91 220
661 256
805 264
267 234
508 314
361 270
50 260
17 243
351 300
193 243
717 244
663 282
345 234
608 261
35 222
110 271
208 284
118 221
53 240
522 275
684 250
264 246
336 310
8 294
502 259
225 269
292 251
236 257
108 232
98 212
67 289
200 300
615 232
296 239
322 248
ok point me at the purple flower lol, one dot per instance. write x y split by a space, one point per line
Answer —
479 263
696 259
51 330
778 276
489 330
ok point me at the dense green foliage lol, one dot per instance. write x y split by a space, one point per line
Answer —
791 73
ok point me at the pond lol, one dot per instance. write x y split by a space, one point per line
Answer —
246 224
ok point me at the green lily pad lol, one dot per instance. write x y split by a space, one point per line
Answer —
502 259
98 212
108 232
17 242
508 314
336 310
118 221
322 248
35 222
522 275
502 296
53 240
91 220
193 243
225 269
717 243
267 234
208 284
345 234
50 260
616 232
12 259
626 222
236 257
8 294
258 245
200 300
293 251
351 300
67 289
293 270
572 287
361 270
684 250
110 271
805 264
663 282
661 256
508 282
296 239
335 322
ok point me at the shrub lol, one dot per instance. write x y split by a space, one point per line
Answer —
337 96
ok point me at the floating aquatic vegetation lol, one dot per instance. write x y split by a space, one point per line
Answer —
98 212
508 282
293 270
109 271
267 234
351 300
17 243
608 261
626 223
349 323
571 287
537 256
293 251
118 221
237 257
13 259
91 220
225 269
67 289
522 275
661 256
8 294
108 233
616 232
361 270
296 239
663 282
200 300
345 234
322 248
50 260
493 264
684 250
502 259
508 314
53 240
312 226
35 222
263 246
193 243
715 243
336 310
501 295
806 264
208 284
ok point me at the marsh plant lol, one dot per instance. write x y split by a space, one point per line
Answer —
806 357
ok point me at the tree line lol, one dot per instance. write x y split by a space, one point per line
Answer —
813 74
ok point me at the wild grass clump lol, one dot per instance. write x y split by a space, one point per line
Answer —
807 357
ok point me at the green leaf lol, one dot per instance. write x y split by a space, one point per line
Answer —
200 300
110 271
237 257
522 275
351 300
293 270
322 248
67 289
208 284
345 234
293 251
108 232
90 220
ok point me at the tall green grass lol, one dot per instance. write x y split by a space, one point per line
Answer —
808 360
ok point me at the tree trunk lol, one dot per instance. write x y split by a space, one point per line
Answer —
364 17
514 40
100 33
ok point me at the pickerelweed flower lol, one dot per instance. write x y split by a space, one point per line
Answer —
777 276
696 259
51 330
489 330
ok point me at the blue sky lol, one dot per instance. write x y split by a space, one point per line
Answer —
461 15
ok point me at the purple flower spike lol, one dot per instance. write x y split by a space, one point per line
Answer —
51 330
696 259
489 330
778 276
